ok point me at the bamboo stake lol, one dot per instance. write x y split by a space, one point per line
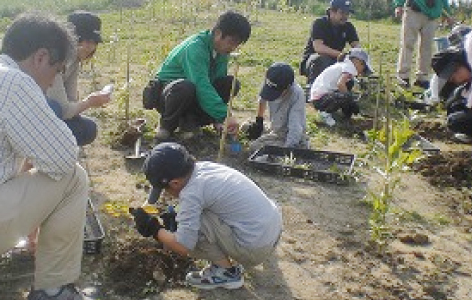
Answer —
229 110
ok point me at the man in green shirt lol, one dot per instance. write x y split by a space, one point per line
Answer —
419 19
192 85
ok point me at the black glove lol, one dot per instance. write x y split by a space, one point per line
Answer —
255 129
168 217
145 224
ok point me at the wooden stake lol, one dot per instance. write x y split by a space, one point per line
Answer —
229 110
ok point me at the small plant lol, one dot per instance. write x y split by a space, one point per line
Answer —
393 160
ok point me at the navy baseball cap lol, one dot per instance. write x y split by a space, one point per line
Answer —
87 26
445 62
278 78
344 5
166 162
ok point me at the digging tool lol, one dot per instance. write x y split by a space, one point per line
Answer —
137 150
230 108
137 125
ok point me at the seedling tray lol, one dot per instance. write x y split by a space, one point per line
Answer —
323 166
93 233
418 142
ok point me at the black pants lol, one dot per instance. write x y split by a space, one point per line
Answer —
459 116
179 107
316 64
334 101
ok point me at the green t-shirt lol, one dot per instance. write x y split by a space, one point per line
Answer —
194 59
432 12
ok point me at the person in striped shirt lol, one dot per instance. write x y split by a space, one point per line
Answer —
41 184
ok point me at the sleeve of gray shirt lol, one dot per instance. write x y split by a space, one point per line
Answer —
296 117
238 202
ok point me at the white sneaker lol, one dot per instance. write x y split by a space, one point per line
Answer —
463 138
212 277
327 118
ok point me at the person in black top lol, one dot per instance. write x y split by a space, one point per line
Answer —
329 35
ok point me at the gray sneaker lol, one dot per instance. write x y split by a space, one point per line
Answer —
187 135
66 292
162 134
213 276
327 118
463 138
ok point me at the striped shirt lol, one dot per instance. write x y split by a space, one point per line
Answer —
29 129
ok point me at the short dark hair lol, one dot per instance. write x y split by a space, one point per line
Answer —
235 25
32 31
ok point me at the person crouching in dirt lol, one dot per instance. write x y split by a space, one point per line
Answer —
438 89
451 66
331 89
223 216
192 87
286 101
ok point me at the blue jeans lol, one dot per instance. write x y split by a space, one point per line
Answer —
83 128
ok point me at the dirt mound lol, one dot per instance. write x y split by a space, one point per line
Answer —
447 169
138 266
433 130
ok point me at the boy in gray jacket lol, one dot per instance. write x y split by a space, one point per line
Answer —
223 216
286 101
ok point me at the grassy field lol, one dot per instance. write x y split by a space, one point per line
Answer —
323 253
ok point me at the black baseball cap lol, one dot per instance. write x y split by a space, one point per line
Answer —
278 78
166 162
445 62
87 26
344 5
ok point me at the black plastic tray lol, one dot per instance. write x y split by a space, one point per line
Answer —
93 232
324 166
418 142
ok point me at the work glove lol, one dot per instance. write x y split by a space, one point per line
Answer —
145 224
255 129
168 218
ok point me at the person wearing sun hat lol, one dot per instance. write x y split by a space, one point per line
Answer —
62 95
328 38
223 216
451 66
286 101
331 89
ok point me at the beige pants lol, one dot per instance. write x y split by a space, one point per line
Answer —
34 200
414 25
217 242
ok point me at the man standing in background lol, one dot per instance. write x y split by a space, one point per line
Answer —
419 19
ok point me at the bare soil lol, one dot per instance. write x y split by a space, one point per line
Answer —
325 250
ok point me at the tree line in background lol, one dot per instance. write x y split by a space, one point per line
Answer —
364 9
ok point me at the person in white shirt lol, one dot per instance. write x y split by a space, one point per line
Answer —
451 65
330 91
41 184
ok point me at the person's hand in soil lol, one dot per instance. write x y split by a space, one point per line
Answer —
146 225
